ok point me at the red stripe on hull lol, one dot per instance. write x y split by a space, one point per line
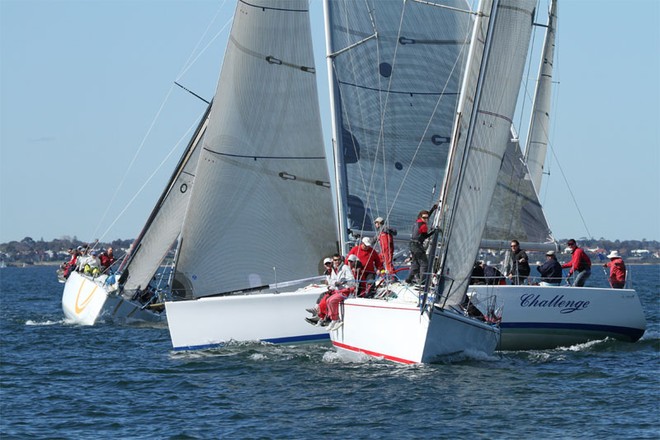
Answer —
372 353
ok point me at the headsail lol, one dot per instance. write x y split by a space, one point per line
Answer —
165 223
261 211
487 107
515 210
395 70
539 129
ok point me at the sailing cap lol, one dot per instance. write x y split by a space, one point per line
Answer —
366 241
614 254
379 220
352 257
327 260
550 253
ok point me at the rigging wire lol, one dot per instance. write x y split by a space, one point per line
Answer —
172 151
186 66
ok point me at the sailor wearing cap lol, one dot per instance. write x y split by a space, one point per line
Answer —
551 272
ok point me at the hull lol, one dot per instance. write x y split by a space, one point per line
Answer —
277 318
535 317
398 332
86 300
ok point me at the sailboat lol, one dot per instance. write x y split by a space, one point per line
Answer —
259 220
245 221
403 323
542 317
135 292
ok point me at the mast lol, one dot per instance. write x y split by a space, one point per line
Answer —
337 156
539 128
489 105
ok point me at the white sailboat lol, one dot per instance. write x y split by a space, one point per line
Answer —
130 294
246 217
405 324
259 221
541 317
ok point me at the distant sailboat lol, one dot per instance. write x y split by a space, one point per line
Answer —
129 295
535 317
380 109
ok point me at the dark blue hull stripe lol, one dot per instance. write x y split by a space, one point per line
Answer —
287 340
631 333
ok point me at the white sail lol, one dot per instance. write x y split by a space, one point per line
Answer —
482 135
261 210
166 220
539 129
395 70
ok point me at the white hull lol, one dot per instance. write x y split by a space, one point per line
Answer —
535 317
86 300
398 332
277 318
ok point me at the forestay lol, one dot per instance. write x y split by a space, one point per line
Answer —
483 132
261 210
395 69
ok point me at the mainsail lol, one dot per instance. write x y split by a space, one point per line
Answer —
482 133
395 70
261 210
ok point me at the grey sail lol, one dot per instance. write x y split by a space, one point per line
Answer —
261 210
395 70
515 210
165 223
539 130
481 137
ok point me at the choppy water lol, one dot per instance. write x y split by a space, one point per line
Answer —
65 381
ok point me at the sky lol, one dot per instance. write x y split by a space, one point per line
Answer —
92 125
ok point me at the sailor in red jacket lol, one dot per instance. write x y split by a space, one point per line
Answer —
386 242
371 264
617 270
580 263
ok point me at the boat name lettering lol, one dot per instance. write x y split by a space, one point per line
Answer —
566 306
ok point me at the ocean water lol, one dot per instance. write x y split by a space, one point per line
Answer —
65 381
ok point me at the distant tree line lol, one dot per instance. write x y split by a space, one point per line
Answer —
29 251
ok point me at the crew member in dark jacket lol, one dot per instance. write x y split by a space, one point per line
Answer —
420 232
551 272
518 268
